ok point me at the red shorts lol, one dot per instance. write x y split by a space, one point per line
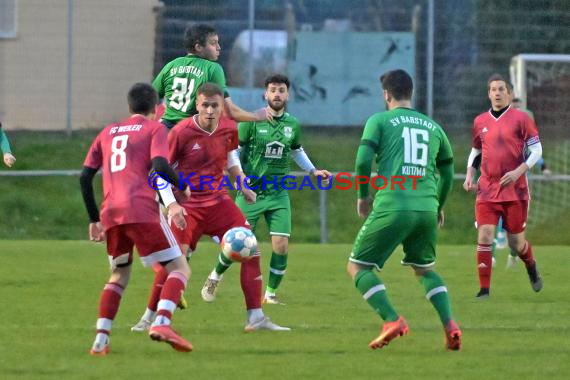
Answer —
212 220
514 214
155 242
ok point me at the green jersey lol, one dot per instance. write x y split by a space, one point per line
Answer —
178 81
407 144
266 150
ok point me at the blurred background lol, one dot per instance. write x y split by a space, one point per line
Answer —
65 67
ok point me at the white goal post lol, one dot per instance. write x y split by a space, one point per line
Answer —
518 70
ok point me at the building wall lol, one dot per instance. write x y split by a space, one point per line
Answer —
113 47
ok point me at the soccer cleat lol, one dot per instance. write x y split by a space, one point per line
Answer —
390 331
100 347
511 261
271 299
483 293
165 333
209 289
535 278
452 336
264 323
142 325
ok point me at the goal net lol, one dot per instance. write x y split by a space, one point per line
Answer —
542 83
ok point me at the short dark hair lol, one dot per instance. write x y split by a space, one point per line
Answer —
277 79
197 34
398 83
498 77
142 98
209 89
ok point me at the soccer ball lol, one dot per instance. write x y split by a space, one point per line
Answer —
238 244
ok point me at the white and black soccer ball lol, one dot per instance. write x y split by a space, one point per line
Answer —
239 243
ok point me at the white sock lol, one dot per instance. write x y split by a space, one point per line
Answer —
161 320
149 315
101 338
254 314
215 276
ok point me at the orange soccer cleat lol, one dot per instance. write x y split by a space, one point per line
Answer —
166 334
452 336
390 331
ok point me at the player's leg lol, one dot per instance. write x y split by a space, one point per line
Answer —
501 235
149 314
156 243
380 234
119 249
227 215
419 249
278 217
515 222
487 215
252 212
161 274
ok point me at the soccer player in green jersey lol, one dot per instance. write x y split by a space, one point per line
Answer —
267 148
179 79
410 149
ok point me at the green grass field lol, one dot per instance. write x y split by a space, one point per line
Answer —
50 291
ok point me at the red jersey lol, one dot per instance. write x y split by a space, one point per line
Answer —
201 157
124 152
503 141
159 111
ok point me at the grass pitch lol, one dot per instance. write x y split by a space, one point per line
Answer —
50 291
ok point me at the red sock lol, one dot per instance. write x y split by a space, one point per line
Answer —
171 291
160 275
526 255
484 265
109 302
251 282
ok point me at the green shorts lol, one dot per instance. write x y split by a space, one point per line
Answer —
275 207
382 232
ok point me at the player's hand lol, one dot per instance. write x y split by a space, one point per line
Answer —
96 232
363 207
513 175
263 114
9 159
249 195
547 172
186 193
469 185
176 215
440 218
324 174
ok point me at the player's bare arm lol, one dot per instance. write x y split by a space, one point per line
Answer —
324 174
513 175
236 173
363 206
241 115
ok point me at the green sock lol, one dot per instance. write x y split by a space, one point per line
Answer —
436 293
374 292
223 264
277 268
